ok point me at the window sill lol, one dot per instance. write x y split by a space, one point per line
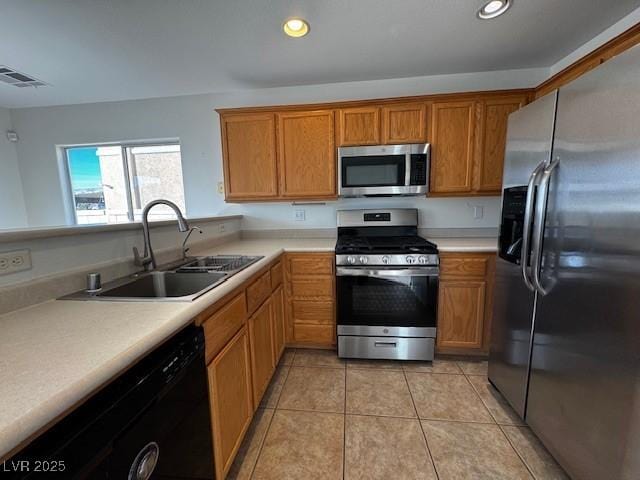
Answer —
14 235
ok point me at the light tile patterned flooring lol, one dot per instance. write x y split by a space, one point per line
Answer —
325 418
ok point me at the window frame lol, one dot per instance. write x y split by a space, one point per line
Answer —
124 153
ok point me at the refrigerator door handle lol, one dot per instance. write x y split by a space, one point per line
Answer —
538 233
526 227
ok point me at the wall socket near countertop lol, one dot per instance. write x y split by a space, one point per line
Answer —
299 215
15 261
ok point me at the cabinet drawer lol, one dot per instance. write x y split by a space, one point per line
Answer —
276 275
463 266
311 265
314 334
258 292
312 287
319 313
223 325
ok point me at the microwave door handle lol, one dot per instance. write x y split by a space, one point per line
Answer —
525 252
407 169
382 272
538 233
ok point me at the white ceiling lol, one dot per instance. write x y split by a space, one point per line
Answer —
102 50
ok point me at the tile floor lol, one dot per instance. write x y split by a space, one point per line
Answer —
326 418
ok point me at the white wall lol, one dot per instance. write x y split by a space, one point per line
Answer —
192 119
435 213
12 208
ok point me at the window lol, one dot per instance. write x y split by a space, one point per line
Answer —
113 183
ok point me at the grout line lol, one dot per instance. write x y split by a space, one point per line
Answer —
482 400
275 410
333 367
344 428
513 447
424 435
479 397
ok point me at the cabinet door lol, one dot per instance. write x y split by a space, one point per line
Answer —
452 137
249 156
231 400
261 340
494 116
461 313
359 126
307 154
406 123
278 323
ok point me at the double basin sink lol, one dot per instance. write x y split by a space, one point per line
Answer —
184 281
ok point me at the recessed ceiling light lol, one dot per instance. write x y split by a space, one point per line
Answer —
296 27
493 9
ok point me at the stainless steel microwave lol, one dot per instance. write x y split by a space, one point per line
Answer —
383 170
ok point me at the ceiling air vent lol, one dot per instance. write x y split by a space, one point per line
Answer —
17 79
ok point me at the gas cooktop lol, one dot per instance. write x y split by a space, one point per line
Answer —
379 245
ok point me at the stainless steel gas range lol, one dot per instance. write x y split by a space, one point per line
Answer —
387 286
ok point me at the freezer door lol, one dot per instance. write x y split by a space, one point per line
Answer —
529 136
584 398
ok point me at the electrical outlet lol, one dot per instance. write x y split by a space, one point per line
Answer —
222 228
299 215
478 212
15 261
220 187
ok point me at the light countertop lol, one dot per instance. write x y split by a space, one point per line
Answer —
55 354
466 244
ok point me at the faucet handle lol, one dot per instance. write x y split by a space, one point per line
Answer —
139 260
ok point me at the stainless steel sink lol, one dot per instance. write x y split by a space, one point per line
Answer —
184 281
166 285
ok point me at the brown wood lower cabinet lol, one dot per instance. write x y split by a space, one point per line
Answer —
310 285
241 355
261 341
231 399
465 302
277 312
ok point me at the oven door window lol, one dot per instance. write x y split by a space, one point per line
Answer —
387 301
374 171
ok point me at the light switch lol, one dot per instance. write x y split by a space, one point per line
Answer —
478 212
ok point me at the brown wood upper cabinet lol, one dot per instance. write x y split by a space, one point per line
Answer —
494 114
468 139
359 126
289 153
307 154
452 141
404 123
249 153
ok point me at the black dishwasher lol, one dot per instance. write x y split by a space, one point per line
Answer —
151 423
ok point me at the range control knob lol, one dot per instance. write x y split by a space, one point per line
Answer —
351 260
411 260
422 259
386 259
364 260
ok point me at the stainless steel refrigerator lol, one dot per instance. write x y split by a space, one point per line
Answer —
566 327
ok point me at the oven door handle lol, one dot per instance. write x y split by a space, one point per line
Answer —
387 272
